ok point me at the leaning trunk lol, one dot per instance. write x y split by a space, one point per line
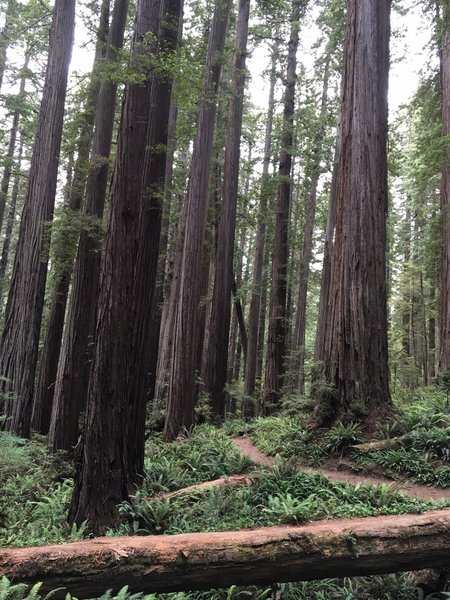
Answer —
45 386
20 339
76 354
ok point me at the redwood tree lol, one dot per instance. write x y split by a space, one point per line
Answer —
254 333
444 305
313 170
48 364
216 370
114 419
276 341
356 359
19 342
76 352
180 410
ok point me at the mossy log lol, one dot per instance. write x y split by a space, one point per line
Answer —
377 445
230 481
334 548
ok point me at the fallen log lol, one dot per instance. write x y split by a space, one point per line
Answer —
334 548
378 445
231 480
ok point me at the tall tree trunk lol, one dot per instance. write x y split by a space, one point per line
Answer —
276 342
10 223
298 366
19 343
444 303
255 302
180 410
9 157
406 316
150 219
424 332
4 38
216 372
105 472
163 260
323 314
356 360
45 386
76 351
168 327
432 333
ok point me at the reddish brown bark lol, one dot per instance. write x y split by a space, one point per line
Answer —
322 316
444 303
9 157
76 352
337 548
48 364
19 343
10 223
180 410
255 302
148 241
102 475
216 371
298 364
356 360
276 340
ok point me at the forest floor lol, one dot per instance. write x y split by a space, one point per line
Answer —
248 475
341 472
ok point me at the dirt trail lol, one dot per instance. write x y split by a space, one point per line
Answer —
247 447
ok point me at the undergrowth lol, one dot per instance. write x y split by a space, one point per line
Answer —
203 454
281 495
35 494
387 587
423 456
36 491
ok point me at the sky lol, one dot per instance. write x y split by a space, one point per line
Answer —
410 35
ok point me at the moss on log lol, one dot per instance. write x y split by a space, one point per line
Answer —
260 556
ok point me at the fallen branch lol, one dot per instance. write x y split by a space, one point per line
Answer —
378 445
261 556
232 480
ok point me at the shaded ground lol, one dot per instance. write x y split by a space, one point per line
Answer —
248 448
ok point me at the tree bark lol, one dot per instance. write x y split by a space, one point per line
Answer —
322 316
163 260
298 364
180 410
444 303
102 475
76 352
337 548
4 38
9 157
10 224
216 371
48 365
276 341
148 241
406 317
356 359
19 343
255 302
